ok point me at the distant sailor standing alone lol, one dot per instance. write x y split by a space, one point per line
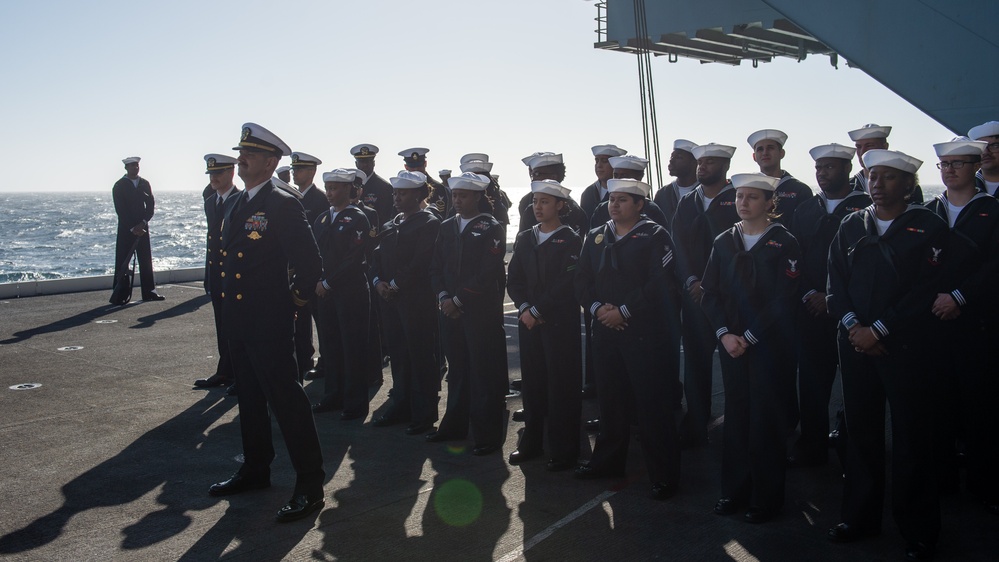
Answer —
134 205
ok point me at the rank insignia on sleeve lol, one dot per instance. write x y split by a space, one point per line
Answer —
935 260
792 269
495 249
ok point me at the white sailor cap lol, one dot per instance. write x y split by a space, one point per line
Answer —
757 180
342 175
684 144
713 150
474 156
892 159
468 181
550 187
870 131
767 134
634 187
359 176
283 169
608 150
130 160
629 162
444 172
833 151
416 156
299 159
960 146
527 159
545 159
219 163
990 129
256 138
364 151
408 180
477 166
281 184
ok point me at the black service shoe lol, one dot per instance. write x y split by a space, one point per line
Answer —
558 465
918 551
592 425
154 296
313 374
522 455
847 532
212 381
518 415
483 450
347 416
417 428
231 391
758 515
726 506
663 491
237 483
299 507
328 404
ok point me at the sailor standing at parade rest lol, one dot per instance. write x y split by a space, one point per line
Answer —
768 152
220 170
885 268
540 283
701 215
988 175
549 166
303 171
683 166
815 223
967 307
873 137
342 234
134 204
377 191
624 277
400 274
750 289
596 192
629 167
264 235
468 276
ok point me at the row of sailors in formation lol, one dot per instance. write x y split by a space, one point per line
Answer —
783 281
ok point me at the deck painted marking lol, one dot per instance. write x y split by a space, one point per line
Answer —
533 541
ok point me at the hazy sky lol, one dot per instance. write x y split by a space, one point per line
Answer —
89 83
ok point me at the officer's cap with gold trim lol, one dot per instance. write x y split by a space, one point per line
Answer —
474 156
550 187
416 156
833 151
629 162
960 146
756 180
891 159
527 159
545 159
258 139
870 131
633 187
767 134
364 151
342 175
477 167
990 129
219 163
608 150
712 150
130 160
301 159
684 144
408 180
468 181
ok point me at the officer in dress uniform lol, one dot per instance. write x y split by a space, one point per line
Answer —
873 137
596 192
343 235
400 275
220 170
885 268
815 222
303 171
468 276
768 152
988 174
625 277
966 305
415 160
134 205
629 167
377 191
683 166
701 216
263 235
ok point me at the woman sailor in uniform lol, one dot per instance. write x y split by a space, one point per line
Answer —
540 281
885 265
624 278
750 287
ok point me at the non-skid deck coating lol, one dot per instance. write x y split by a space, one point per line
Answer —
111 459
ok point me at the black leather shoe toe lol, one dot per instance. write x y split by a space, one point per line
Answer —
238 483
726 506
758 515
347 415
918 552
587 472
313 374
591 425
418 428
212 382
483 450
440 436
663 491
558 465
232 390
326 405
521 455
846 532
299 507
385 421
153 297
518 415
